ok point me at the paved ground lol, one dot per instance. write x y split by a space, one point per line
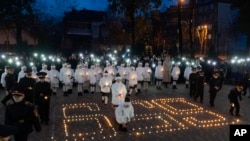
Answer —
159 115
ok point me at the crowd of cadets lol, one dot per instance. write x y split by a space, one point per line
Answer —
118 81
135 77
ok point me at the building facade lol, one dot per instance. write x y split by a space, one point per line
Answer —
213 28
82 29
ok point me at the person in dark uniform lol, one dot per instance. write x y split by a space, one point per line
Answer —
221 76
28 83
246 81
11 80
192 80
199 86
214 87
21 114
234 96
43 91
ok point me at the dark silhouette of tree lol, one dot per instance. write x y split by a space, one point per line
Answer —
133 11
16 14
243 17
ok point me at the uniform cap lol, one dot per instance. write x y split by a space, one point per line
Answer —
118 76
17 90
41 74
28 70
127 99
9 67
106 72
199 67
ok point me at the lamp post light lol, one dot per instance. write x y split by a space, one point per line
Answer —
202 35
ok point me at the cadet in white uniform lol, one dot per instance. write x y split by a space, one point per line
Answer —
139 72
123 113
105 84
175 73
54 78
159 75
119 92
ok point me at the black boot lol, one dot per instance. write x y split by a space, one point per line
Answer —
231 112
65 94
79 93
54 93
166 85
187 86
70 91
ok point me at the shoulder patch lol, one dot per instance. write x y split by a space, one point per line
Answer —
28 103
9 102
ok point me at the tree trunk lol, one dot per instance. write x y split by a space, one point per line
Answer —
180 28
18 38
191 29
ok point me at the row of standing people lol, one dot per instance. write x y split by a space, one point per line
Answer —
27 103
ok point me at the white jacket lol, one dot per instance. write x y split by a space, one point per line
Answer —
67 77
119 92
187 72
99 73
122 72
3 82
159 72
127 71
175 73
61 73
147 71
105 84
139 71
21 74
133 78
123 114
79 75
54 76
92 76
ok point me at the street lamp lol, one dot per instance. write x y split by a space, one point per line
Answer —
202 35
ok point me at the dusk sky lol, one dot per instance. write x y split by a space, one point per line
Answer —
56 8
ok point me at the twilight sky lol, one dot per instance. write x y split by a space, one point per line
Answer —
56 8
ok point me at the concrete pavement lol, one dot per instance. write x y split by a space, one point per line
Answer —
167 114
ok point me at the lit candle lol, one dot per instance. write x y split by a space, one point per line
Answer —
106 83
